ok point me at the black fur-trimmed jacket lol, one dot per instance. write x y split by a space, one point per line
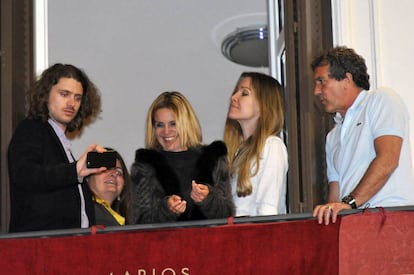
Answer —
154 181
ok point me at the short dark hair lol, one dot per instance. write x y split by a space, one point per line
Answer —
37 97
342 60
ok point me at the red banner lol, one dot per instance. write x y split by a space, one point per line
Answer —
296 247
377 243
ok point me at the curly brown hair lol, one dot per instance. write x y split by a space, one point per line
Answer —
342 60
37 97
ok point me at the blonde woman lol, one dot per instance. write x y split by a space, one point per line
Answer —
257 155
176 178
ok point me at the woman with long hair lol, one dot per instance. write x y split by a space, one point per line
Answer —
257 154
176 177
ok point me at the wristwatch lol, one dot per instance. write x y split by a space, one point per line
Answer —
350 200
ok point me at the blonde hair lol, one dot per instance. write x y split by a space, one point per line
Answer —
245 154
187 123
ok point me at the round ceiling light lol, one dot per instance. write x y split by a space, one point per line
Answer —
247 46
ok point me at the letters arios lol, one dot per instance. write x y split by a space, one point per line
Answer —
154 271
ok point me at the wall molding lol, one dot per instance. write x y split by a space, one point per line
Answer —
351 29
41 36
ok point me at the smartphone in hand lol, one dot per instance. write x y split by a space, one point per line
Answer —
105 159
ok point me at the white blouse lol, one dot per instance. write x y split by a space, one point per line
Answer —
269 184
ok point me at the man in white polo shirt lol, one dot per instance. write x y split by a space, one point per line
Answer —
368 151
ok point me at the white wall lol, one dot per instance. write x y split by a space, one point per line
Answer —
134 50
380 30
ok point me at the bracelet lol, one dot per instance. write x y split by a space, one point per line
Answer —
350 200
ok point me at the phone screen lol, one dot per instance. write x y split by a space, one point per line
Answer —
96 160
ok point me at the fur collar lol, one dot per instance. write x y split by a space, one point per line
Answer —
206 163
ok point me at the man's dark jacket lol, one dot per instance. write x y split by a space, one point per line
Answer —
43 184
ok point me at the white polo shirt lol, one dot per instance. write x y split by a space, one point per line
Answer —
350 146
